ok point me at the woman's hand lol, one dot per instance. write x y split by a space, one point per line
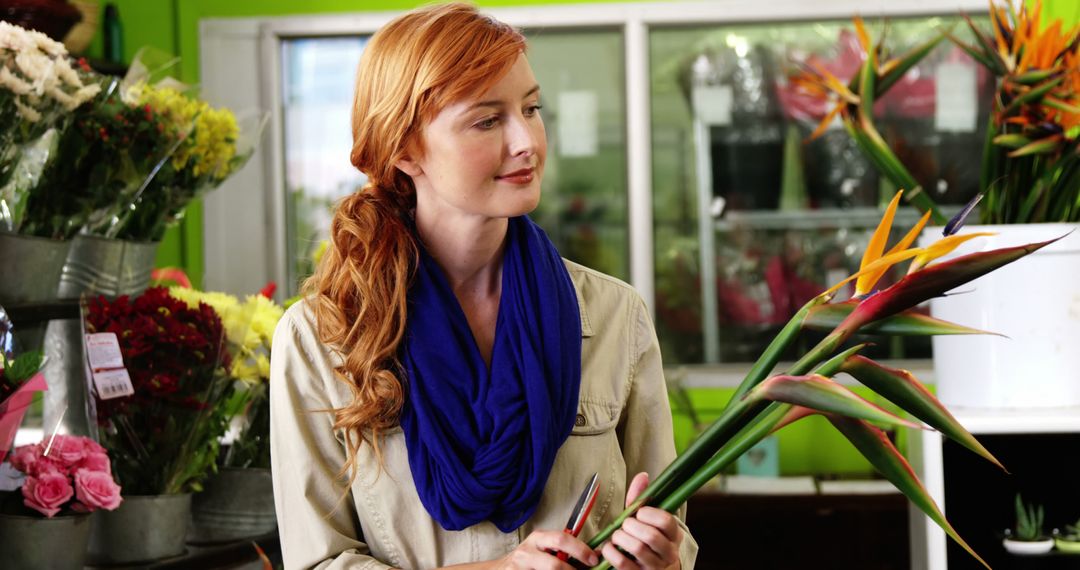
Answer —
536 552
649 540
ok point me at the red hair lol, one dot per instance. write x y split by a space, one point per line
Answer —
410 70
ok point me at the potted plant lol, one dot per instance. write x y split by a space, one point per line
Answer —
1069 540
1030 186
164 434
48 490
238 502
1028 537
30 118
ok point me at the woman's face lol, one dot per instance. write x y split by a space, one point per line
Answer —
483 156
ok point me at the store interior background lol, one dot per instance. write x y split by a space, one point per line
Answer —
811 449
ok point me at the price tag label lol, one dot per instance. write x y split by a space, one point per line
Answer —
113 383
712 104
103 351
956 98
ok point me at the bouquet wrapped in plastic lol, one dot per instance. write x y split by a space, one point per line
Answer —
20 379
217 143
249 328
41 94
164 435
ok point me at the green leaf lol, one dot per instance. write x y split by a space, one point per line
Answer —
904 63
1033 95
882 454
22 368
1033 77
1044 146
906 323
823 394
1011 140
901 388
768 359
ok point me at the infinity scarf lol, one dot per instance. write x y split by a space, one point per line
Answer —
481 443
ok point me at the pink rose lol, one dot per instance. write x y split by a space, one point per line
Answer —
25 456
45 465
96 490
95 461
46 493
93 446
68 450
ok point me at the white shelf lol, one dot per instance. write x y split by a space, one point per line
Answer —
1038 420
824 218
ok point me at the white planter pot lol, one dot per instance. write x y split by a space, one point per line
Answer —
1035 303
1028 547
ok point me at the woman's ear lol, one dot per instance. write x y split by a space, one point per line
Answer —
409 166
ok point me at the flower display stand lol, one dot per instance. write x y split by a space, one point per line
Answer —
1033 306
236 503
93 266
32 543
142 529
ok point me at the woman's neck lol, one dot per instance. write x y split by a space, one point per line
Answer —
468 249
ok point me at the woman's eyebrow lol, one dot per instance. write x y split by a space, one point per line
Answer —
498 103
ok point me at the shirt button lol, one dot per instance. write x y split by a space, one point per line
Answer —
579 421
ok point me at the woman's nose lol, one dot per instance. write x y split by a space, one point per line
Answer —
522 140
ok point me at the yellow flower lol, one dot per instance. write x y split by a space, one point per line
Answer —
214 144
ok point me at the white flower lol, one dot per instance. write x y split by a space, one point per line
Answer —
38 68
14 38
64 99
13 83
48 45
28 113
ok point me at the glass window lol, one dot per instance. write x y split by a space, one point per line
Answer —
317 78
583 207
582 83
752 219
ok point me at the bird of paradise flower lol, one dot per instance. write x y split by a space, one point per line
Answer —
764 402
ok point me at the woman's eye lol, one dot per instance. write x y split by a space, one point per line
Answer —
533 110
488 123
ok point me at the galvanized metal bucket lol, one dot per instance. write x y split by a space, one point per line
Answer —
32 543
94 266
31 268
235 504
141 529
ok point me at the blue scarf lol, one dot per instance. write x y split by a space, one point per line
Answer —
481 443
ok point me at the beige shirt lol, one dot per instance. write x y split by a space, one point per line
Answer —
623 427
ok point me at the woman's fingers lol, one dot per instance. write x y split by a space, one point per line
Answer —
661 520
554 542
648 541
636 486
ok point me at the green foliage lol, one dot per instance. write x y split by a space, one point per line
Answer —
1029 521
17 371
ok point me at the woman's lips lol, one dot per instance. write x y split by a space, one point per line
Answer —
523 176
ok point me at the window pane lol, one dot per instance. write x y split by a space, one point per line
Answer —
317 79
584 208
784 217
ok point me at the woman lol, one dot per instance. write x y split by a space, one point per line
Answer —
449 383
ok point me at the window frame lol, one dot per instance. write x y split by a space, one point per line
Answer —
264 189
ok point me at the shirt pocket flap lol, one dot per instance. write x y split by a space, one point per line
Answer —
595 417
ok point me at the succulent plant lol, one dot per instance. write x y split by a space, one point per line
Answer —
1029 521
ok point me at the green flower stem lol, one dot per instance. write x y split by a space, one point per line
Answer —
733 419
762 425
707 443
768 359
